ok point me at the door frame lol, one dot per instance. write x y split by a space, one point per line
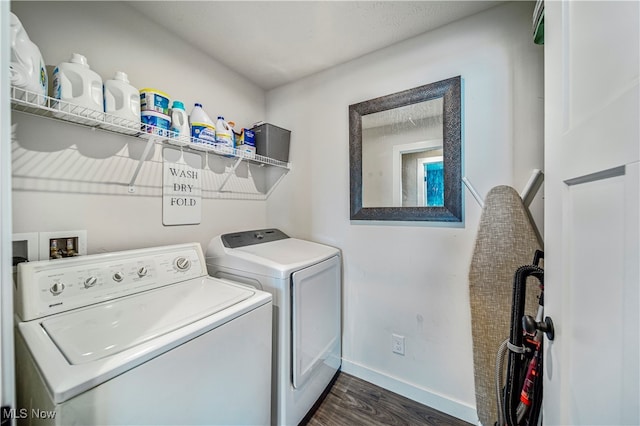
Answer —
7 373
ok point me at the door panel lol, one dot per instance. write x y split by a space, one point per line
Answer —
598 55
592 204
597 289
598 37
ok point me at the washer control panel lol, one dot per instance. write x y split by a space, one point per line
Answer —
53 286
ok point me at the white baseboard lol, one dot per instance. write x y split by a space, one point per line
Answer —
439 402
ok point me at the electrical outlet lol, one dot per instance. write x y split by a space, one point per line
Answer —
397 344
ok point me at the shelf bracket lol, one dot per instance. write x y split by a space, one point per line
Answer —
275 184
147 149
230 173
473 192
532 187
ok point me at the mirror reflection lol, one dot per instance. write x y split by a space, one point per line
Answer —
402 163
405 155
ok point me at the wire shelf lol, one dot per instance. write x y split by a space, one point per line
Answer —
45 106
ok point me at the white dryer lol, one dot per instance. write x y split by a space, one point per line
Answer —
305 280
140 337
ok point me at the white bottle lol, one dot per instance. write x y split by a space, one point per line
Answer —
76 83
224 134
179 120
122 100
27 69
203 130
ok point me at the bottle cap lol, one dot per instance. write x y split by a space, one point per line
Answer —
121 76
220 117
198 105
178 105
77 58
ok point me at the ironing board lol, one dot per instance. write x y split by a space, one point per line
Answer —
506 240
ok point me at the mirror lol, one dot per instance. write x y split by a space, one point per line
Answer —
405 155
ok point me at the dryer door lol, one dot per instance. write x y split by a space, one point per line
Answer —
315 319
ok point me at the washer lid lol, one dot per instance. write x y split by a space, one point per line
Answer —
108 328
280 258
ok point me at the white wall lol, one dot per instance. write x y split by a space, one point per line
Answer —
67 178
408 278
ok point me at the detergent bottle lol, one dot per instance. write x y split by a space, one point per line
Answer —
74 82
122 100
179 119
26 65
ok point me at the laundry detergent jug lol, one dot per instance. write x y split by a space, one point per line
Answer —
179 121
74 82
26 65
122 102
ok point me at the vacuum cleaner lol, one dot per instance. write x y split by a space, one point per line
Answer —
520 397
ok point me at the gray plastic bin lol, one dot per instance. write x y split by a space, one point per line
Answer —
272 141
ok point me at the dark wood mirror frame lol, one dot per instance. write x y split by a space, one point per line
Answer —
450 91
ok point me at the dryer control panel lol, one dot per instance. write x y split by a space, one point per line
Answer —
52 286
248 238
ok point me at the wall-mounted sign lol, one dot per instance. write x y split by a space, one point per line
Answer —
181 187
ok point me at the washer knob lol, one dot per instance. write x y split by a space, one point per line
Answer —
183 264
142 271
90 282
56 288
117 277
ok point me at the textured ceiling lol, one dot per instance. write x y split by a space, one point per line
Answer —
288 40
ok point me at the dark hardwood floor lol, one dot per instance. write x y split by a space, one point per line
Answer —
354 402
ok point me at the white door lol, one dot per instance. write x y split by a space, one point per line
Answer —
6 279
592 192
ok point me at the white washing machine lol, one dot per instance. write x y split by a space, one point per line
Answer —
140 337
305 281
